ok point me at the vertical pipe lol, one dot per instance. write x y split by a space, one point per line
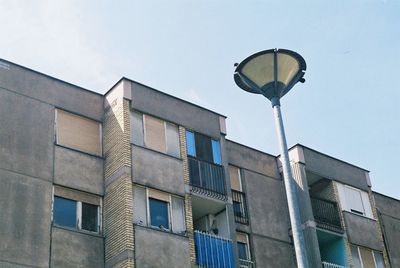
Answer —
294 211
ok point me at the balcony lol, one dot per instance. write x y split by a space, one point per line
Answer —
207 178
213 251
246 264
326 214
239 207
331 265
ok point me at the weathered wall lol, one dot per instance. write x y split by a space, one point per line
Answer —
332 168
77 170
159 249
358 226
271 253
175 110
389 217
25 205
157 170
73 249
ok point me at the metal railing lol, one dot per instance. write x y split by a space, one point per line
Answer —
246 264
207 178
240 207
331 265
213 251
326 214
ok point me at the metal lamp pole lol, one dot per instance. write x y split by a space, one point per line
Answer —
272 73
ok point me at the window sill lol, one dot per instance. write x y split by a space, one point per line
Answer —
77 231
79 151
152 150
167 231
362 216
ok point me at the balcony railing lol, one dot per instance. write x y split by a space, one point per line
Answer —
239 207
246 264
331 265
326 214
207 178
213 251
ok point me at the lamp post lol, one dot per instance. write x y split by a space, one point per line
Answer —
272 73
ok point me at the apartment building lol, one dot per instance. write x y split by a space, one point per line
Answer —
139 178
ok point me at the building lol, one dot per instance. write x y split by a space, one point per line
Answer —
139 178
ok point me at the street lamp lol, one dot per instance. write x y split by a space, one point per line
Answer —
272 73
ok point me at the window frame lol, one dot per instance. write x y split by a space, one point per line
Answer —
346 204
247 246
144 142
78 213
213 141
56 130
373 252
171 220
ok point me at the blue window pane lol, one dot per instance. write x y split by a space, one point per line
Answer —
64 212
158 213
216 152
242 250
190 144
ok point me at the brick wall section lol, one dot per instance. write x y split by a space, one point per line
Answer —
188 198
118 207
378 226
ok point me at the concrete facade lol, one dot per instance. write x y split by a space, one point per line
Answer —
195 192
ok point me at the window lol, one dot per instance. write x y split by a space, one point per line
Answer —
158 209
78 132
238 197
366 258
243 250
76 210
155 134
354 200
203 147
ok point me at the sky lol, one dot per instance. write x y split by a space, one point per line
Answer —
348 108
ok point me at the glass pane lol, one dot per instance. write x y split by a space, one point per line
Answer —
216 152
242 250
139 206
203 147
237 209
89 217
64 212
173 140
356 258
379 259
178 215
158 213
288 67
190 145
137 128
260 70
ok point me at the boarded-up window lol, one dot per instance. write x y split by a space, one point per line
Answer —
78 132
234 174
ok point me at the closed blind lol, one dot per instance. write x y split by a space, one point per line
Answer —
155 133
76 195
367 259
78 133
235 179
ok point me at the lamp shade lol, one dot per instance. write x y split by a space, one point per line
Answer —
271 73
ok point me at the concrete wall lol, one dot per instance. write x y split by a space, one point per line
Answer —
77 170
389 217
27 162
157 170
175 110
332 168
251 159
157 249
52 91
25 205
73 249
271 253
362 231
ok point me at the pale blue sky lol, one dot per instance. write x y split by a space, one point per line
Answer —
348 107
